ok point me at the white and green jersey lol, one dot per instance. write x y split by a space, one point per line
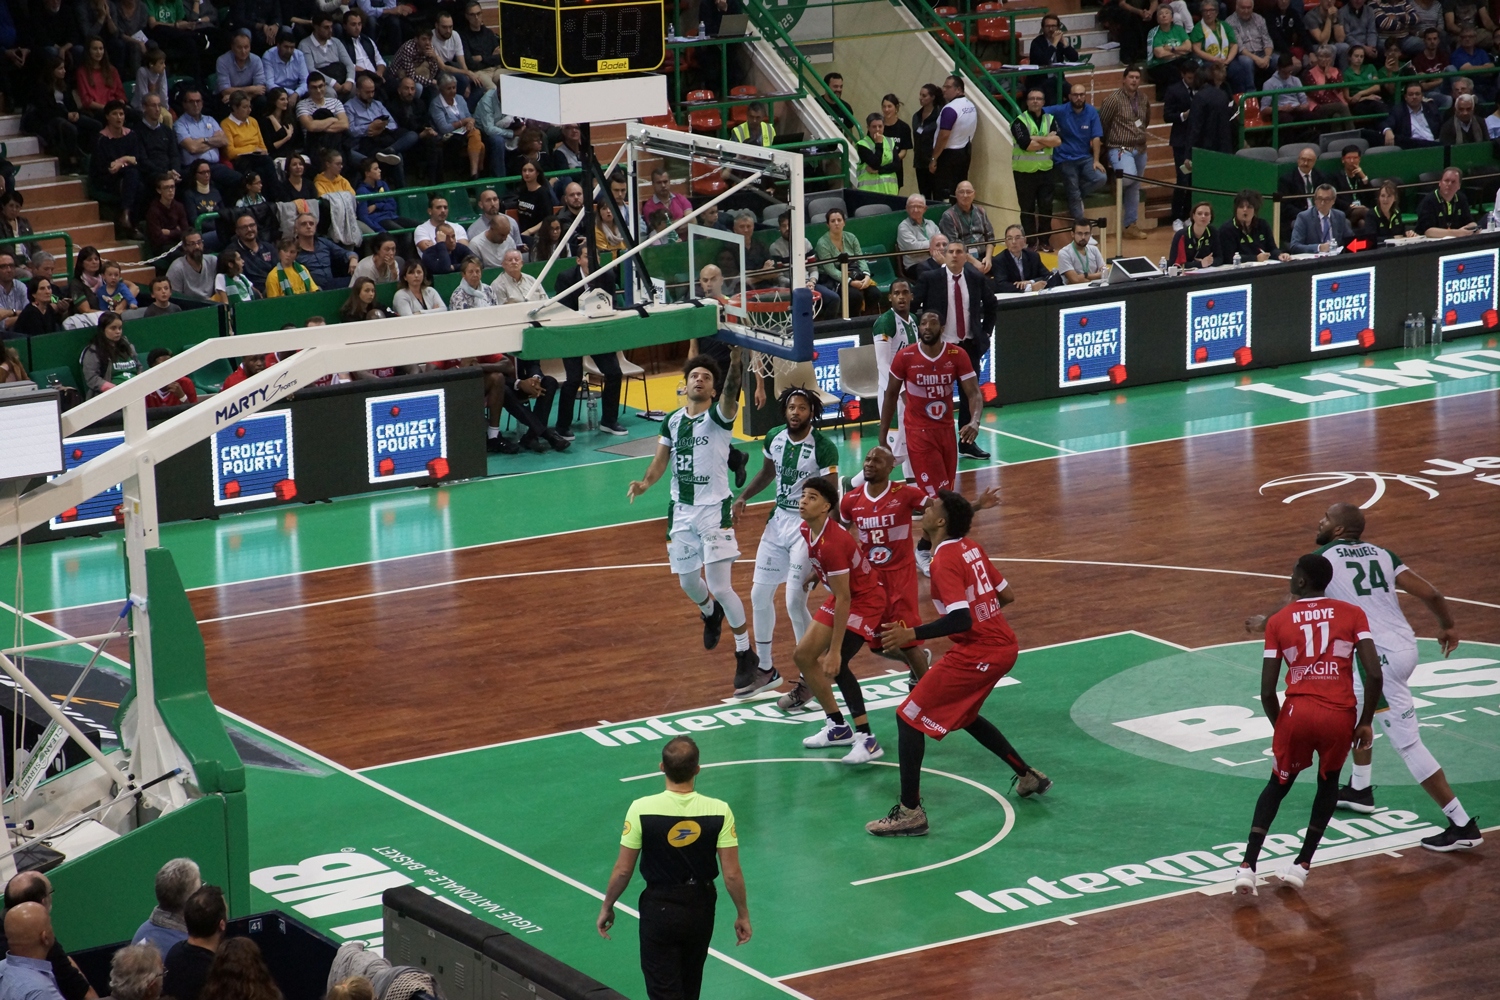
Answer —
1365 574
700 455
814 455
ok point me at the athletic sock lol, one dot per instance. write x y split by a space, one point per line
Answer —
492 432
1455 813
741 640
837 718
1265 812
911 746
864 727
1361 777
763 650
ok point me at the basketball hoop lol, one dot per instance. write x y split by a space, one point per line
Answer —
770 318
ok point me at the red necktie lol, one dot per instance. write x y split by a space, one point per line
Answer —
958 306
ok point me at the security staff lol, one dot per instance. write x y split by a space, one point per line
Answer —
682 838
877 158
1035 134
755 129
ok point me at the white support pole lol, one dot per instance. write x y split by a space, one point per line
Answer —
54 713
77 640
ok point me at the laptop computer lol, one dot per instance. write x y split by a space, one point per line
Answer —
733 25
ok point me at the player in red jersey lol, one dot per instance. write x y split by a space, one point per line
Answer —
950 694
926 373
1318 637
848 618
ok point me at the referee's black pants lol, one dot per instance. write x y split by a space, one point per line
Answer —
677 923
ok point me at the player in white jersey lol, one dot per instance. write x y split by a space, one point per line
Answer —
695 443
1366 575
793 453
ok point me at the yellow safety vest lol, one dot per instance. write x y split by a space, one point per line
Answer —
1026 162
741 133
870 180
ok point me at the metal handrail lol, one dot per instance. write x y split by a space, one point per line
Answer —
53 234
772 33
964 58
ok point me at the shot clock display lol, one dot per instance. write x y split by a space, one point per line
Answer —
582 38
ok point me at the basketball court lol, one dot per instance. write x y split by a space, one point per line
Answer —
462 688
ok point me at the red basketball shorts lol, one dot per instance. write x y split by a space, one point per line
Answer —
934 456
1305 727
950 694
864 618
901 598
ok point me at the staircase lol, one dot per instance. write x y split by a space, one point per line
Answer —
57 202
1086 36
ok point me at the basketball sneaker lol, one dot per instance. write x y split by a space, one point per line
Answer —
756 681
924 561
746 663
1455 838
900 822
796 698
713 624
1294 875
1033 782
1360 800
1244 882
866 748
833 734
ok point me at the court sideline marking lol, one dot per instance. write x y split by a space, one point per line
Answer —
1306 418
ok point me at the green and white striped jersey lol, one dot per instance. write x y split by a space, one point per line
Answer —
814 455
1365 574
700 455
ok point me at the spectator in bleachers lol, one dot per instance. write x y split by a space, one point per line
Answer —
361 48
967 223
514 285
1214 42
34 889
201 138
38 316
192 274
780 254
1465 126
924 122
129 19
254 195
608 235
53 115
97 82
528 150
1049 48
1257 56
1168 50
481 46
864 297
285 65
278 126
417 60
1177 103
322 118
937 256
296 183
1322 227
239 69
1286 28
1461 14
379 214
447 253
14 225
374 132
1351 182
166 218
548 238
26 973
1126 116
572 205
200 197
568 153
360 303
13 293
1384 219
384 20
247 148
1429 15
437 214
1247 234
410 115
1078 158
383 265
88 272
231 284
916 231
135 973
1358 21
238 972
108 359
1196 244
331 178
1394 65
325 54
758 267
878 163
953 146
1396 20
1326 103
1467 54
1445 212
160 303
330 264
659 231
288 277
248 366
471 292
494 126
12 368
1293 104
114 292
1363 94
1432 59
416 294
1128 21
448 47
1296 188
1020 268
159 146
1412 124
115 166
1324 25
608 364
663 198
535 201
492 244
257 255
179 393
453 122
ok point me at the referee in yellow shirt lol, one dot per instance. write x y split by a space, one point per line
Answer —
682 839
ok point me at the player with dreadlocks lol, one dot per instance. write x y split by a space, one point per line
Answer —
794 452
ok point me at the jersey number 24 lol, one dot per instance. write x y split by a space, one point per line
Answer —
1376 578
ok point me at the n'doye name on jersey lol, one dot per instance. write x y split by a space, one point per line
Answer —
1365 574
814 455
700 455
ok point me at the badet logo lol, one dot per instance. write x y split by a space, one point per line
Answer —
1343 309
1218 327
1091 345
1466 290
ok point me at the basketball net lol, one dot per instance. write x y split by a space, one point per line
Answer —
769 312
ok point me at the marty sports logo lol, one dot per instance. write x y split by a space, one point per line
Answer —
253 460
102 508
1343 309
408 436
1466 290
1091 345
1218 327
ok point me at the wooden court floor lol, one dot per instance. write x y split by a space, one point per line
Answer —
1178 539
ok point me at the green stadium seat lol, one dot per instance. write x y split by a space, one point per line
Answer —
210 378
880 268
44 376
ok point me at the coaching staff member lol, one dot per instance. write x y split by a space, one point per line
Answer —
682 838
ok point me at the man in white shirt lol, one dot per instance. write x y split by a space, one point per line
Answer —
953 146
1080 262
425 235
495 242
915 232
362 48
514 285
449 49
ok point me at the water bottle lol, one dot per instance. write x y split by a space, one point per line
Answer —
1436 337
1236 261
702 30
1419 326
1161 265
1406 332
593 412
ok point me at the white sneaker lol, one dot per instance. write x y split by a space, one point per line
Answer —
866 749
1244 882
1294 875
924 561
833 734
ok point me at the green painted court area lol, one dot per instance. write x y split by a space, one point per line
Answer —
1158 754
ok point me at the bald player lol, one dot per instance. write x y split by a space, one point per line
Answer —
26 973
1368 576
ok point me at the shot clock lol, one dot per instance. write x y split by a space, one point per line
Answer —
582 38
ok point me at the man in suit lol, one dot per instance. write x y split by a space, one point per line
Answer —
958 295
1176 110
1412 124
1209 119
1297 187
1018 269
1322 227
